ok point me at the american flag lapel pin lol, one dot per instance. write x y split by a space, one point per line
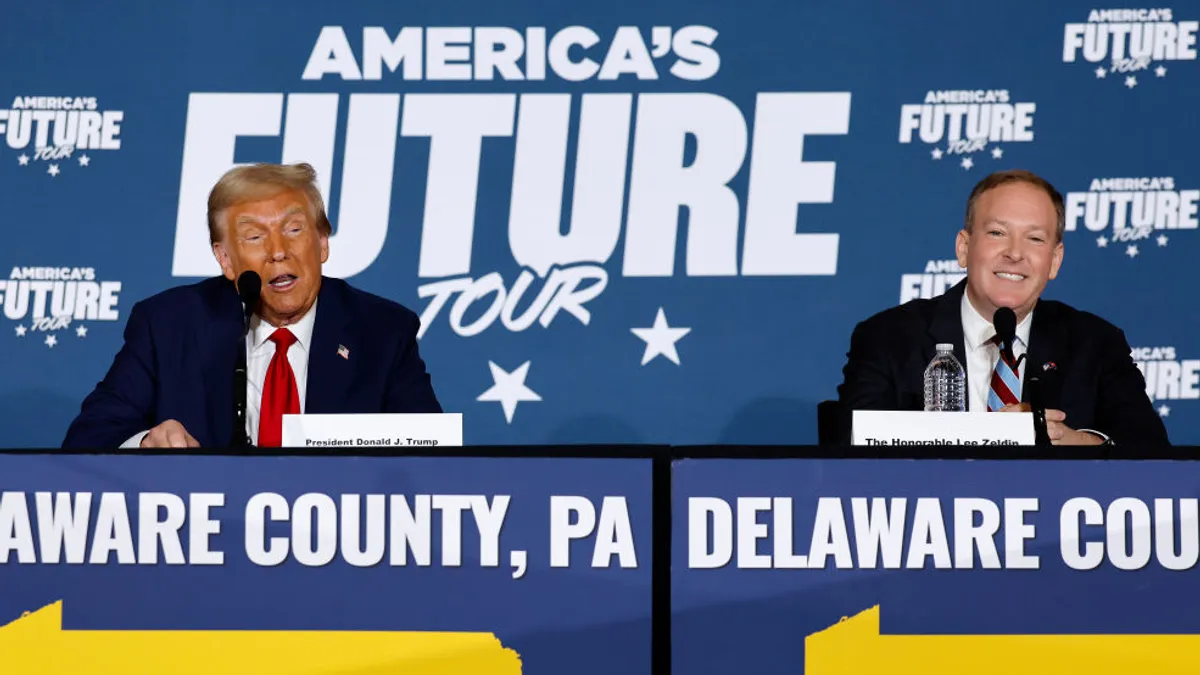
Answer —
344 352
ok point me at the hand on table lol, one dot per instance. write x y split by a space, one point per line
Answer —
1056 428
169 434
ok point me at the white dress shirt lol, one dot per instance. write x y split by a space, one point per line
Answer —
981 356
259 352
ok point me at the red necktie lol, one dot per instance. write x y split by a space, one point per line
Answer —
280 395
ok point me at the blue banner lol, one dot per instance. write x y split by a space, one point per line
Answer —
550 556
771 555
620 222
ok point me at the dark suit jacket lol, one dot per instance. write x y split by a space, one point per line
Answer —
181 348
1095 381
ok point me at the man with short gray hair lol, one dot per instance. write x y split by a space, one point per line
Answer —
1011 246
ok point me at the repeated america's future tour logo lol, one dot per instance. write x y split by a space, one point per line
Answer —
938 277
53 134
1133 215
1169 377
617 221
1131 46
967 127
54 304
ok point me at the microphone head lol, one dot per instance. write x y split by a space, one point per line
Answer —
1005 322
249 286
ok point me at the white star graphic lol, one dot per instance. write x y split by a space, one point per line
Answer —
997 153
967 163
1131 81
81 331
1102 241
1161 71
1164 410
660 339
51 341
1131 250
84 160
23 159
53 170
509 389
1162 240
1101 72
936 153
20 331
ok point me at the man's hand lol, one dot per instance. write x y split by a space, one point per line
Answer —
1056 428
169 434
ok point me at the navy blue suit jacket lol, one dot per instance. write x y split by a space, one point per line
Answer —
181 348
1083 360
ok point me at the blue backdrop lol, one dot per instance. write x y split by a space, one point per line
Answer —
669 215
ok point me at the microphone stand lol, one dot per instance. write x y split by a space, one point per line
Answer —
239 437
249 288
1034 387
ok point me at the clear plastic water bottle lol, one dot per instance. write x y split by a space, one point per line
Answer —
945 382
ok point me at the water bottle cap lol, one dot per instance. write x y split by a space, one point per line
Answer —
945 347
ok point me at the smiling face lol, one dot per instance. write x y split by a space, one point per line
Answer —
1011 249
277 238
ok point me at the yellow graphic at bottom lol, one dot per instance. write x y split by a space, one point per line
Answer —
854 645
37 644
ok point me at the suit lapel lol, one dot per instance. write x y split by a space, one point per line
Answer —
329 372
946 327
1046 341
219 356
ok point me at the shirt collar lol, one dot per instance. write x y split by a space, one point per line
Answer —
261 331
978 330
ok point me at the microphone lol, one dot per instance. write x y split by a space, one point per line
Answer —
1005 321
249 287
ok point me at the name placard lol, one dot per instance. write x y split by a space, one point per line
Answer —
372 430
914 427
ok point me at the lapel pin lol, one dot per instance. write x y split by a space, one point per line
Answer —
1049 365
343 352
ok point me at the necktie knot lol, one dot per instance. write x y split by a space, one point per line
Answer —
283 339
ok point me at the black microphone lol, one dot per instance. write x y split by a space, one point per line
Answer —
1005 321
1033 389
249 287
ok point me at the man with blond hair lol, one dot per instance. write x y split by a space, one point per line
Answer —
1011 245
315 344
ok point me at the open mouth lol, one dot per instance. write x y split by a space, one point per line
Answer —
283 282
1010 276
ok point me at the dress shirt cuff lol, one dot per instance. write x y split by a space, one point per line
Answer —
134 441
1104 437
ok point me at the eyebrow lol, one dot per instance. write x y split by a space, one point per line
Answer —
1005 223
251 220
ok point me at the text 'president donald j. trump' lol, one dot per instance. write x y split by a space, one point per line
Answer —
315 344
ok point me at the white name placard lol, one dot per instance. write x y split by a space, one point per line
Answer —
914 427
387 430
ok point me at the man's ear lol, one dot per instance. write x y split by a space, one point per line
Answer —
223 259
1056 260
961 245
